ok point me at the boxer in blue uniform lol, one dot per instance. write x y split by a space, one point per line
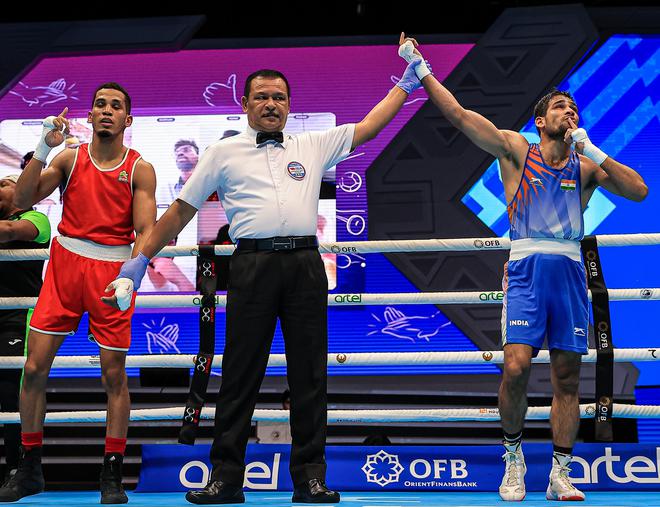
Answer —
544 281
547 186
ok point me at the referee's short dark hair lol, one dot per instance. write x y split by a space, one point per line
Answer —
265 73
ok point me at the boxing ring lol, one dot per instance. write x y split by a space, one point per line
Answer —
362 499
587 410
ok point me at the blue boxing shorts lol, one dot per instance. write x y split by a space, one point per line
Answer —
545 295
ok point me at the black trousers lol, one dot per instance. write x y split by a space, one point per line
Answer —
264 286
12 343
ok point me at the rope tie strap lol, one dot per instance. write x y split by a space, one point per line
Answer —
204 358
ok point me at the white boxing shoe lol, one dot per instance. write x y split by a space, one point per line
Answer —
512 488
560 486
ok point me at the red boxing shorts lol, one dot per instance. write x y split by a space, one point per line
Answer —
74 285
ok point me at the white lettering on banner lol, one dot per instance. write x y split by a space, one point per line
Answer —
458 468
254 470
264 473
439 484
437 469
183 474
425 464
590 473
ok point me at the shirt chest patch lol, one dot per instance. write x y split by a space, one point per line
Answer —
296 170
123 177
568 185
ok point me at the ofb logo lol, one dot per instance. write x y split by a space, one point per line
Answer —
382 468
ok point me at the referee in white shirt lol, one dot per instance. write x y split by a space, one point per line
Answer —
268 182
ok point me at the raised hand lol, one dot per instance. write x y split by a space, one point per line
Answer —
409 52
53 133
408 48
59 129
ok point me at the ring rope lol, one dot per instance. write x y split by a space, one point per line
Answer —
377 246
587 411
340 359
412 298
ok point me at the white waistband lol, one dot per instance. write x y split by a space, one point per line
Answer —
521 248
86 248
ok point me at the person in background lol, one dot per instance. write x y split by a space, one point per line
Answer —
186 156
19 229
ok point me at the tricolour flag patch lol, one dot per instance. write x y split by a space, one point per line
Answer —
568 185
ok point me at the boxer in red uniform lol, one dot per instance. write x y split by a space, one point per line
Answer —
108 197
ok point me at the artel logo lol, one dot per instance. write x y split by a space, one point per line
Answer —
619 469
348 298
491 296
258 475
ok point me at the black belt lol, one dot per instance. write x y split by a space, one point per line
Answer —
278 243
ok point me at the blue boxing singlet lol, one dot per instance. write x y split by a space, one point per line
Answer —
548 201
545 286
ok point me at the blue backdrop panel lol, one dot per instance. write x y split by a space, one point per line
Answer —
617 91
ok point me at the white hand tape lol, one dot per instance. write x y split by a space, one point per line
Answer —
590 150
407 51
579 135
422 70
124 292
42 150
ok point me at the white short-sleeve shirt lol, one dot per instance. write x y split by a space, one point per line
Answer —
271 189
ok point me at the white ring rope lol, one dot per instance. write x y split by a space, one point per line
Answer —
339 359
380 246
357 359
587 411
412 298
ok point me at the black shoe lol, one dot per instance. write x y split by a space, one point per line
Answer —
217 492
314 491
10 473
111 489
28 479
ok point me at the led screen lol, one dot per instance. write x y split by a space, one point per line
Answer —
194 96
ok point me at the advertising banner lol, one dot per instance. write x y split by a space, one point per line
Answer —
614 467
